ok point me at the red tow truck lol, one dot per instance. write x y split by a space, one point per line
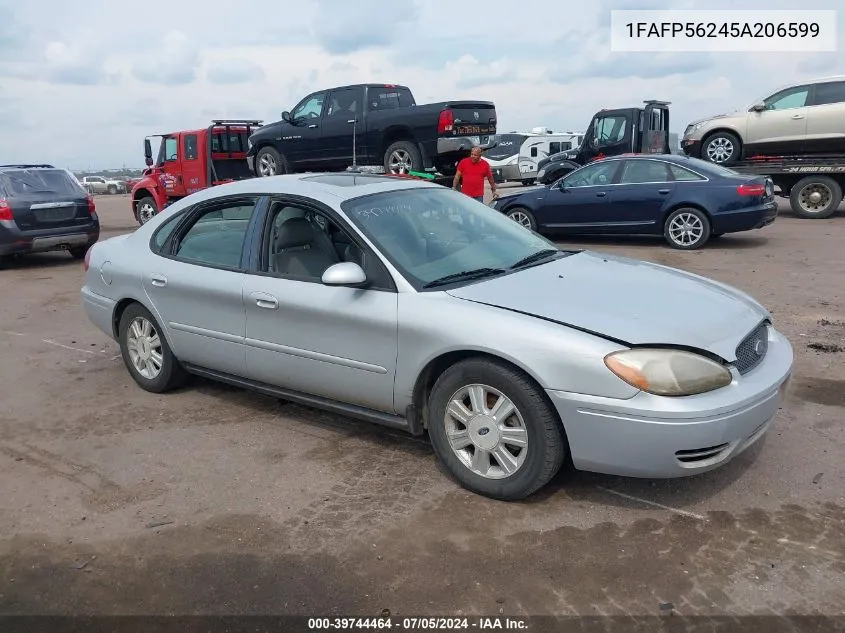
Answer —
190 161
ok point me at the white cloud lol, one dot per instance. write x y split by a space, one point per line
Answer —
83 84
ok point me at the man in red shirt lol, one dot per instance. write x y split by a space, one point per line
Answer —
471 174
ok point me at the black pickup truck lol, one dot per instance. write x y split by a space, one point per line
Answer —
373 125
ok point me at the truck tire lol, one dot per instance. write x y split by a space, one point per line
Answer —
402 157
721 148
112 190
269 162
145 210
815 197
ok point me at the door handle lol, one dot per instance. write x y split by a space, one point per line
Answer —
601 194
797 116
263 300
351 121
158 280
312 126
664 191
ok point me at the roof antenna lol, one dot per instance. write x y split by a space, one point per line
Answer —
354 122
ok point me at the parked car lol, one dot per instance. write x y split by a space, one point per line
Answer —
371 125
98 184
687 200
802 118
44 208
409 304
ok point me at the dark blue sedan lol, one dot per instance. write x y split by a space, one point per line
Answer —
685 199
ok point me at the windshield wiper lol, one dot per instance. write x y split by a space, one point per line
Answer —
536 257
465 275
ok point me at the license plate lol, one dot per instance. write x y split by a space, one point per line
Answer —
466 130
55 215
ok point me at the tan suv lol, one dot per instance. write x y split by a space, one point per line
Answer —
804 118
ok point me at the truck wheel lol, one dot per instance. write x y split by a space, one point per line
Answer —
402 157
686 229
815 197
146 210
722 148
268 162
112 190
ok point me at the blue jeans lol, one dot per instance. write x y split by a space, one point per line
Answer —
479 198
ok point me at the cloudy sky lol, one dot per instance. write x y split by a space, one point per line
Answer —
81 83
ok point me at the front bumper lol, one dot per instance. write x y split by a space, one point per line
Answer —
658 437
453 144
691 147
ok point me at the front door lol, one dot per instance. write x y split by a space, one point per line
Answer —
782 127
193 167
342 117
196 286
171 178
638 201
579 201
300 141
301 335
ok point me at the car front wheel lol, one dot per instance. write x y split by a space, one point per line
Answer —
523 216
146 353
494 430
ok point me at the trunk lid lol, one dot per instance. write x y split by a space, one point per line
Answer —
634 302
45 199
472 118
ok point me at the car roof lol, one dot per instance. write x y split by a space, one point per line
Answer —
324 186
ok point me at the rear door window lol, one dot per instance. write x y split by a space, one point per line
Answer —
388 97
829 92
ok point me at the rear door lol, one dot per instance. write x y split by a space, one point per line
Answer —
45 198
638 201
826 118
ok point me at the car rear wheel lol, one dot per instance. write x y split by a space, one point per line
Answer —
523 216
494 430
687 229
722 148
146 353
146 210
78 252
815 197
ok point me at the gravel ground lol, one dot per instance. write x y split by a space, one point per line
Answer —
215 501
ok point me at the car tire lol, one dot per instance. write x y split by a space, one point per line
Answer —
524 217
721 148
528 182
534 464
269 162
112 190
802 197
145 210
78 252
402 157
170 373
687 229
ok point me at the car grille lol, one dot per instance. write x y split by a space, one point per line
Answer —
752 349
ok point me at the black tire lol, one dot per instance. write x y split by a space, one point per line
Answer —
698 220
527 182
724 139
112 189
547 444
802 204
406 152
171 374
145 210
522 216
275 164
78 252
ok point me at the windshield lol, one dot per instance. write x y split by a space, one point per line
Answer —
29 181
508 146
434 232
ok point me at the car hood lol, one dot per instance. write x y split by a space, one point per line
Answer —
630 301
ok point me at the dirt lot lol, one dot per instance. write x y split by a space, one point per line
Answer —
211 500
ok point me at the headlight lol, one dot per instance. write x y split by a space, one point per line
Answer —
541 173
668 372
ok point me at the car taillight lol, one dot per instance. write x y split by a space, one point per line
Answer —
751 190
92 207
5 211
445 122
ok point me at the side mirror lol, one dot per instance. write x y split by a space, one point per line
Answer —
344 274
148 152
286 117
148 160
594 143
758 107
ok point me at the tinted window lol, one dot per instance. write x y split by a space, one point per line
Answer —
830 92
216 237
534 151
388 97
190 146
27 181
164 231
610 129
429 233
679 173
508 146
344 104
789 98
311 108
592 175
234 142
554 147
171 149
642 171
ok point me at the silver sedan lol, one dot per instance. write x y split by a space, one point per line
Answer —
411 305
